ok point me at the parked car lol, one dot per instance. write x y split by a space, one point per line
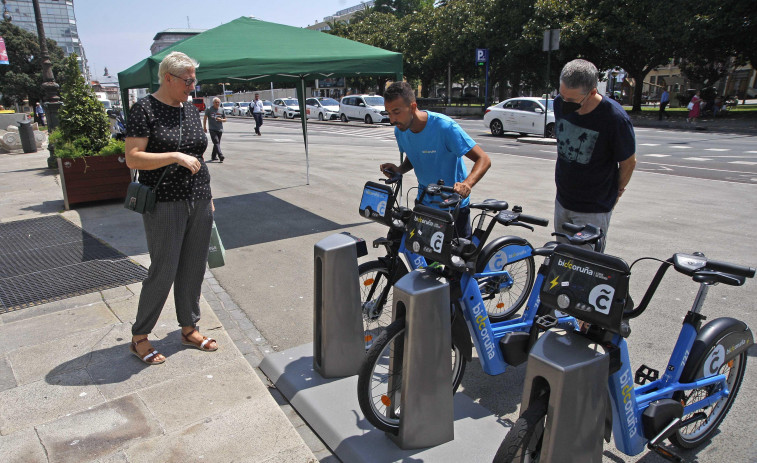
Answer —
523 115
369 108
242 109
228 108
199 104
267 108
322 108
288 108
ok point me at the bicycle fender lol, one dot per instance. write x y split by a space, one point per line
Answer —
488 252
718 342
461 336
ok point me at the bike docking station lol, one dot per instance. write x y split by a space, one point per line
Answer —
426 400
338 344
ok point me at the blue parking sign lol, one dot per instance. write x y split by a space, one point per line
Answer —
482 55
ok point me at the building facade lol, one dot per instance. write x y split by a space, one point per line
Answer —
59 21
168 37
341 15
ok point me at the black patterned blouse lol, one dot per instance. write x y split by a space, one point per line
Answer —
162 125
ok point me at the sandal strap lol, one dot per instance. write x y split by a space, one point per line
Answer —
150 355
186 336
206 340
140 341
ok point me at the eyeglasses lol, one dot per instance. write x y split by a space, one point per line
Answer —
187 82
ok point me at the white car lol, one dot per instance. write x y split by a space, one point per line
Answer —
322 108
228 108
288 108
267 108
241 109
524 115
368 108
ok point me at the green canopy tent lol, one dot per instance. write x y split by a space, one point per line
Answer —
247 49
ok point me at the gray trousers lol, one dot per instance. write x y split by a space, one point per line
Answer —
178 236
599 219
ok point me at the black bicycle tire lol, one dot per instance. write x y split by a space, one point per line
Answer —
521 432
711 424
366 373
373 326
522 297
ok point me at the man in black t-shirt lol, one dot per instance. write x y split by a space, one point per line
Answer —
596 149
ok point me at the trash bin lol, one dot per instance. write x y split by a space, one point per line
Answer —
26 133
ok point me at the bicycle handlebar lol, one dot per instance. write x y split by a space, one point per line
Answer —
733 269
533 220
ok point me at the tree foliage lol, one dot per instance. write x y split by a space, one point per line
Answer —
22 78
83 121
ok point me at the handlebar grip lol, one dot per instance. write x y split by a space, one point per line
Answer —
533 220
727 267
571 227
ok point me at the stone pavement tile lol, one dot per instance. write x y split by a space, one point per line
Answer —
22 446
52 307
248 433
42 329
99 431
211 392
118 457
34 363
116 294
7 379
123 373
36 403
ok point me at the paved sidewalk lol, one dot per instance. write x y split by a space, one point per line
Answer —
70 391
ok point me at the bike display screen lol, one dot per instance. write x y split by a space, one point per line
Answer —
429 233
587 285
377 202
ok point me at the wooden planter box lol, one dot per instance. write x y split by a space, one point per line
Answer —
93 178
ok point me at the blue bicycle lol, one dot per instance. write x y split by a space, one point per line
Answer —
503 293
685 404
498 344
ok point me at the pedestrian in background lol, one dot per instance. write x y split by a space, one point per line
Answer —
257 113
217 118
164 136
695 107
664 101
596 148
39 113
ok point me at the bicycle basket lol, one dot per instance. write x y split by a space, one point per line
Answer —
429 233
587 285
377 202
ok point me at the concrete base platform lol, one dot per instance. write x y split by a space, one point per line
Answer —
330 407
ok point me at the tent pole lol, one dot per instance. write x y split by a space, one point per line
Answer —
304 119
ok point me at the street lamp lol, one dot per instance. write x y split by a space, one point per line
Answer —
49 86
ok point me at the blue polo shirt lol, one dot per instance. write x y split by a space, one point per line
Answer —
436 152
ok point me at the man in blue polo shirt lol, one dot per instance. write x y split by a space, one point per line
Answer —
596 148
434 146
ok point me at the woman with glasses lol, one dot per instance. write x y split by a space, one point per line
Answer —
165 141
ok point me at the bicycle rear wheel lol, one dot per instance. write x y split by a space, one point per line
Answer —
376 297
523 441
379 384
504 296
699 431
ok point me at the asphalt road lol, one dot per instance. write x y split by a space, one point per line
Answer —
270 218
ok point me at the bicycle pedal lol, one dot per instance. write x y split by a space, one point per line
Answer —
644 374
665 453
545 322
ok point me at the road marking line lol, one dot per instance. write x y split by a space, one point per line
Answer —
717 149
681 147
545 151
657 155
697 159
649 144
698 168
746 163
750 152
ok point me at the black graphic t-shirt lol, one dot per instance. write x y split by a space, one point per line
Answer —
589 148
167 129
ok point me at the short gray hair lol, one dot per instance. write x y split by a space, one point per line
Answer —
580 74
175 62
216 99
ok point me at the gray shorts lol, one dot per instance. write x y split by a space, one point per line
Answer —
600 219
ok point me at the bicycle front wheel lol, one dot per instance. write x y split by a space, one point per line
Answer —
379 384
376 297
523 441
503 296
699 431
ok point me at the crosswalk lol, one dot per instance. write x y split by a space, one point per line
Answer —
374 133
746 158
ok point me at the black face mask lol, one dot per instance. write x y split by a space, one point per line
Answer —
568 107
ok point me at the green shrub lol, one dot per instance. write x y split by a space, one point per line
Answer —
84 123
113 147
